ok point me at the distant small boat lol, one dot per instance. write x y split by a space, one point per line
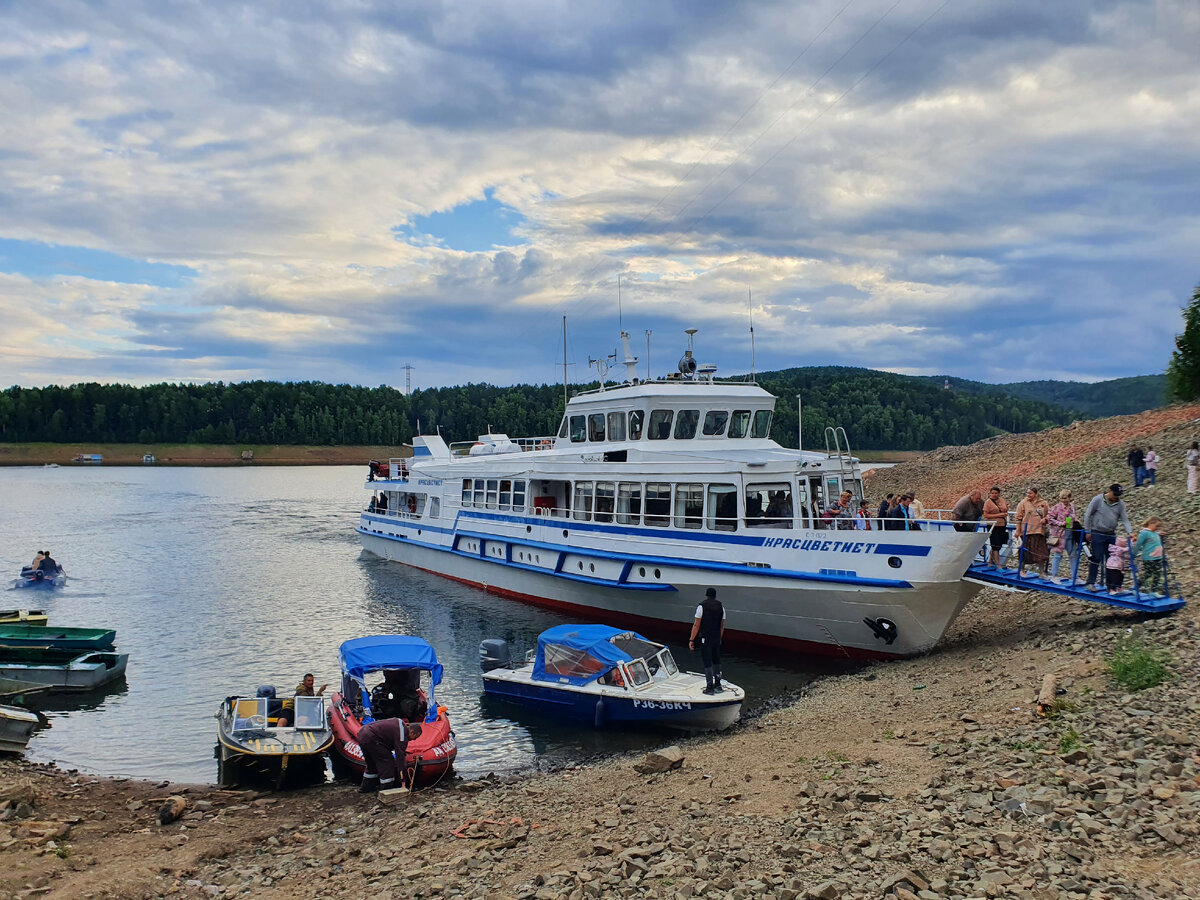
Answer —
603 676
148 459
40 578
84 672
49 465
16 725
249 736
14 636
23 617
93 459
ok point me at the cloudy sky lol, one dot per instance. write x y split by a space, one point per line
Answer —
197 191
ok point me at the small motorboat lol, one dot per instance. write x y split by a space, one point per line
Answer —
61 670
40 578
23 617
15 690
601 675
16 725
13 636
410 670
250 737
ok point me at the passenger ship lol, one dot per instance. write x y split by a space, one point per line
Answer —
653 491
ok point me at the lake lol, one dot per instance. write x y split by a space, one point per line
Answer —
218 580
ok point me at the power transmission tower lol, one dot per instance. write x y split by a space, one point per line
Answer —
407 379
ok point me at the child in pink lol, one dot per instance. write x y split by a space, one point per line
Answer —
1118 562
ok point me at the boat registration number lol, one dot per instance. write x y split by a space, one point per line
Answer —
661 704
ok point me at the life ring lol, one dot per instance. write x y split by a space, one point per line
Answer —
412 504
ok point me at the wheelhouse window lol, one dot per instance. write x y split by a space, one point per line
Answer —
722 507
596 427
562 429
685 424
505 494
478 498
715 421
518 497
660 424
629 503
739 424
635 424
762 424
466 492
583 500
435 508
616 426
578 429
689 505
605 500
658 504
493 488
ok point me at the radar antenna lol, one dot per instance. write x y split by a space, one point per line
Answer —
687 364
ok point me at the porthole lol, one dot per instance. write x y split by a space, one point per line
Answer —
528 529
592 567
642 571
895 562
581 565
418 532
538 558
564 532
657 574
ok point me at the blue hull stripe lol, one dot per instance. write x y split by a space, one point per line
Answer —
901 550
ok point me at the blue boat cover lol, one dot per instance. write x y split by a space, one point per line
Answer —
388 651
578 653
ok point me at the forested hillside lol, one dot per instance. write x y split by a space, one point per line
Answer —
879 411
1117 397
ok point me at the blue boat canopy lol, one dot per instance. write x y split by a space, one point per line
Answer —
388 651
581 653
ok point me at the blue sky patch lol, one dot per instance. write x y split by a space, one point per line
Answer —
37 260
472 227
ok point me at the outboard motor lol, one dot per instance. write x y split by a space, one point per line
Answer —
493 654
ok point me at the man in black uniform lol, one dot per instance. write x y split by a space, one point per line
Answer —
709 627
378 741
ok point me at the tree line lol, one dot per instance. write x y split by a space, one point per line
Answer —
879 411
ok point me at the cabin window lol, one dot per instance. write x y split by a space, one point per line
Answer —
715 421
559 659
578 429
583 500
722 507
562 429
635 424
478 498
435 508
518 498
739 424
660 424
769 505
658 504
505 494
616 426
689 505
685 424
596 427
638 673
629 503
466 492
493 488
605 500
762 424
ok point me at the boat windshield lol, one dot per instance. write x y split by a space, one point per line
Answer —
638 672
666 663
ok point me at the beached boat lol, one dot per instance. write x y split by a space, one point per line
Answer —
63 672
16 726
15 635
40 578
653 491
251 740
409 671
599 675
23 617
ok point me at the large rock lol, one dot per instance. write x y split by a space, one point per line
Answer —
661 760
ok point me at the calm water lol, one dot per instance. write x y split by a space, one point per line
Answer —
218 580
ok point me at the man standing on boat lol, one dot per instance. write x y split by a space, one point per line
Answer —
709 628
379 740
305 687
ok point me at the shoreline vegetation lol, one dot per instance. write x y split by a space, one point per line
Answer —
930 778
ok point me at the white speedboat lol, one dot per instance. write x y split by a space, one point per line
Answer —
653 491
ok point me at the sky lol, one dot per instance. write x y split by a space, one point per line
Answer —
333 191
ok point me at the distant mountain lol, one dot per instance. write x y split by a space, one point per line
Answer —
1116 397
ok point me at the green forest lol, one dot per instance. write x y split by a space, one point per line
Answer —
1116 397
880 411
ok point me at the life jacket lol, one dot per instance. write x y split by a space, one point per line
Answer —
712 615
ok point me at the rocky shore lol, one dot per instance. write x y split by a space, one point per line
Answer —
928 778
